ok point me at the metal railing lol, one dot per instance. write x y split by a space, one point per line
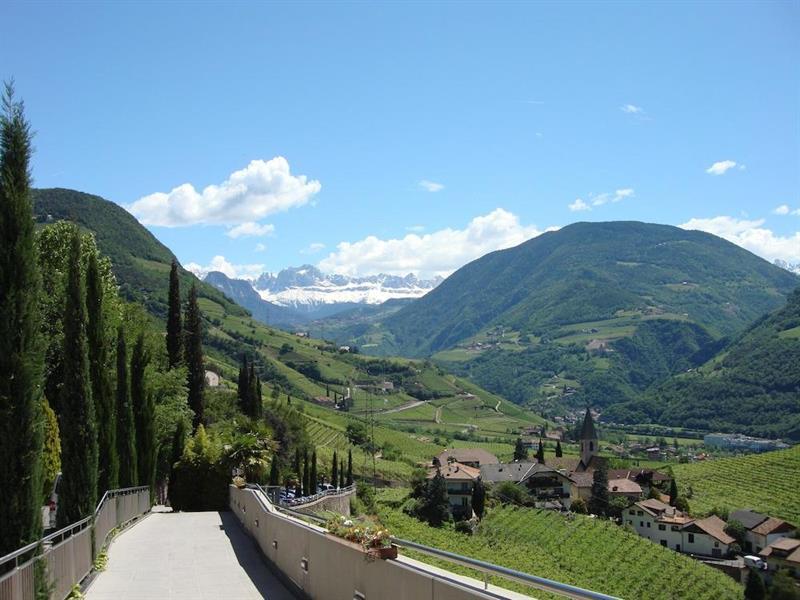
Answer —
68 554
273 493
487 569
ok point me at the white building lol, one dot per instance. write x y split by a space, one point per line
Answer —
212 379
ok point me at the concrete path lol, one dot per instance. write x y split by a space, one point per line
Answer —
193 556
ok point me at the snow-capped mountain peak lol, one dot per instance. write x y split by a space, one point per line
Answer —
306 286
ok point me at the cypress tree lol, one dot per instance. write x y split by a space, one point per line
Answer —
305 474
143 416
21 432
559 452
196 378
520 453
102 394
598 503
754 589
350 467
274 476
126 429
478 497
673 492
313 476
259 406
296 465
174 329
335 470
540 453
252 393
78 494
178 444
243 386
341 473
435 505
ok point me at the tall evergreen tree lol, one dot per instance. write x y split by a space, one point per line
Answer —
350 466
341 474
520 453
755 589
258 402
243 385
126 428
296 463
312 479
598 503
673 491
21 432
253 399
176 451
102 392
559 451
306 474
435 507
143 416
274 475
540 453
335 470
174 329
196 378
78 494
478 497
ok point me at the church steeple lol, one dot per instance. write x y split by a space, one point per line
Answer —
589 439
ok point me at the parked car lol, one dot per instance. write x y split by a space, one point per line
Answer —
325 487
755 562
50 508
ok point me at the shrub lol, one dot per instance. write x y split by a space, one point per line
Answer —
200 479
464 527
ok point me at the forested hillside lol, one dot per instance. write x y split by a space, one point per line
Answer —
752 385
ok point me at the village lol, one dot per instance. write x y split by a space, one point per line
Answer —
644 500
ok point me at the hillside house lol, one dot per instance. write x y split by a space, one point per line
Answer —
471 457
658 522
762 530
783 553
459 479
514 472
666 525
626 488
212 379
707 537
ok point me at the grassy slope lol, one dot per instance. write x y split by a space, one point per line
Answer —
764 482
589 553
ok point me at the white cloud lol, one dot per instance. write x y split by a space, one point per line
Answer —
250 229
721 167
260 247
221 264
416 228
752 236
784 209
631 109
601 199
437 253
579 205
431 186
260 189
313 248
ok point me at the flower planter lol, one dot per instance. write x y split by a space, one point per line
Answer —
384 552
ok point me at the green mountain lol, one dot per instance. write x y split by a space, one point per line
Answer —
589 272
751 386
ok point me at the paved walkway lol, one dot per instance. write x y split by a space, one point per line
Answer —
193 556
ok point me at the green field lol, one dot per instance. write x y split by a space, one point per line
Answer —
590 553
767 482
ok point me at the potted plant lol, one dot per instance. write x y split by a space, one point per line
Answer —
376 541
239 481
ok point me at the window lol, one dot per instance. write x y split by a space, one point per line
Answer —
674 528
662 527
640 513
664 543
630 522
677 547
691 538
463 501
648 524
641 523
716 544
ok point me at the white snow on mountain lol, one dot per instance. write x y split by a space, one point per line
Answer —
791 267
307 286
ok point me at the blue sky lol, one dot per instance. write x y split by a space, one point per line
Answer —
414 137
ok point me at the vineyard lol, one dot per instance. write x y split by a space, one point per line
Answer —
590 553
764 482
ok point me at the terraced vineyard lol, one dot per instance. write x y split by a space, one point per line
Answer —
590 553
765 482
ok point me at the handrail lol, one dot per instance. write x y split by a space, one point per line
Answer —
547 585
310 499
114 493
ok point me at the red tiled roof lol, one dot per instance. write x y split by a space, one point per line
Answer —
773 525
624 486
784 544
478 455
715 527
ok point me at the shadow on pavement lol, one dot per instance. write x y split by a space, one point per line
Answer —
252 562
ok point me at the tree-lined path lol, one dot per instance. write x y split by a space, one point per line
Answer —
193 555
